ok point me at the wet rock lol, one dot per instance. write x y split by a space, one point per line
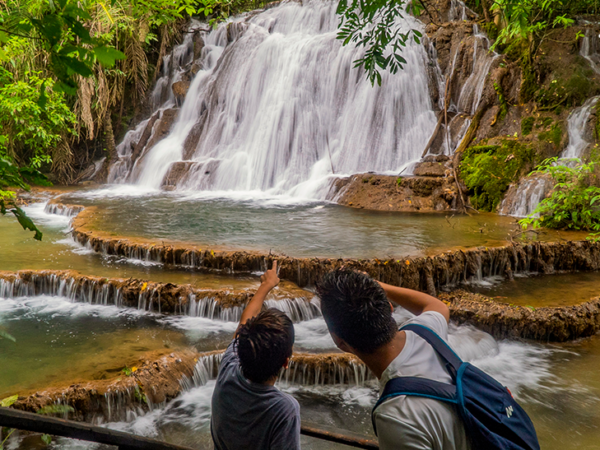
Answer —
112 400
503 320
191 141
138 148
390 193
177 171
161 127
147 295
436 158
196 67
235 30
180 88
198 45
429 169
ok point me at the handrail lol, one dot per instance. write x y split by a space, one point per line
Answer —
21 420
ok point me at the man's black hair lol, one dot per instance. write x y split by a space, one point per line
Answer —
356 309
264 343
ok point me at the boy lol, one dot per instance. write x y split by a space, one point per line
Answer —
248 411
358 313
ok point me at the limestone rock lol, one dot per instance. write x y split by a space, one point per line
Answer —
390 193
162 127
429 169
198 45
177 171
180 88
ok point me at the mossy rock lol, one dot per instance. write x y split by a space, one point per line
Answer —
488 170
527 125
553 135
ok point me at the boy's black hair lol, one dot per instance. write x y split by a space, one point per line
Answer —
264 343
356 309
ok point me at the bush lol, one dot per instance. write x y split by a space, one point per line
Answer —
488 170
573 203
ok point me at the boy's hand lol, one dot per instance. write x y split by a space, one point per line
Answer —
269 278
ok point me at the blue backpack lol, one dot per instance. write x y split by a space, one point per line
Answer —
492 418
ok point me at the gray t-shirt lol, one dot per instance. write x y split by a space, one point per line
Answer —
247 415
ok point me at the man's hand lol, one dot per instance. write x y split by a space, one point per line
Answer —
270 279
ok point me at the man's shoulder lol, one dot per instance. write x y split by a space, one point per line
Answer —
434 320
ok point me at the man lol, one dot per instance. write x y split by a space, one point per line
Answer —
248 411
358 313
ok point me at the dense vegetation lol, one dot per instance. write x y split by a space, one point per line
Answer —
72 74
573 204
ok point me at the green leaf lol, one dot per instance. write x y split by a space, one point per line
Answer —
46 439
9 401
26 222
108 55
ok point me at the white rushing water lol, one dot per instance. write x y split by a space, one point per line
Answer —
280 109
589 48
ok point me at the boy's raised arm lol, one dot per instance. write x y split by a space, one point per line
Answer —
414 301
268 281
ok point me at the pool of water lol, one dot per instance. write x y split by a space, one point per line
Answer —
60 341
58 251
294 229
543 290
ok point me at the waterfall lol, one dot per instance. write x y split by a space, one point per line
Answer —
521 200
589 48
529 193
472 89
276 106
576 127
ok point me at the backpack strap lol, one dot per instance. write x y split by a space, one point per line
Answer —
423 387
416 387
439 345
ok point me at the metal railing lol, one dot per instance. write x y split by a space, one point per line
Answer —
27 421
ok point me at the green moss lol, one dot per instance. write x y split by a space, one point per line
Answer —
527 125
491 30
553 135
488 170
567 92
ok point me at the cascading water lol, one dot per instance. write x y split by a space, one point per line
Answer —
589 48
277 107
525 197
577 125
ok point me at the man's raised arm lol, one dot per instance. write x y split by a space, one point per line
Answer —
268 281
414 301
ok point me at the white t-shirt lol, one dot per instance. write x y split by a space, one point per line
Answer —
417 423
